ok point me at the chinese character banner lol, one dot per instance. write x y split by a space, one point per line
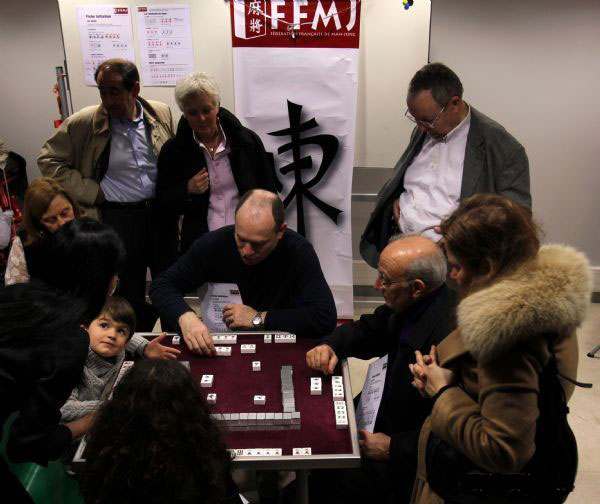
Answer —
295 77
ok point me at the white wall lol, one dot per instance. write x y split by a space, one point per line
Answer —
531 65
393 45
211 37
30 48
534 67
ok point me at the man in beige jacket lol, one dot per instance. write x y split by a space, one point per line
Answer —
105 155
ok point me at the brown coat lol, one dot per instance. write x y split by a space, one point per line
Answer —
498 352
72 155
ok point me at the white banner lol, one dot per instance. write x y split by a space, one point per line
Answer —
297 90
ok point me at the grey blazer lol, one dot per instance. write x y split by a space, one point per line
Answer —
495 162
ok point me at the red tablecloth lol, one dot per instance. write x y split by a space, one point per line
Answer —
236 384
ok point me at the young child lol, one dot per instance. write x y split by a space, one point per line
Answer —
154 442
111 333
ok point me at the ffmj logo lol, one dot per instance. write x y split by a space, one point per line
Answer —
121 10
249 20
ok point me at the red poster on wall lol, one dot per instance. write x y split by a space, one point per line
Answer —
299 23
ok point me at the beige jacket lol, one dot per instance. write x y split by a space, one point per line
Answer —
72 154
498 352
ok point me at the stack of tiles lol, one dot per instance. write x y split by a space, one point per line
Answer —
255 452
225 339
287 389
223 351
248 348
257 421
301 451
341 414
285 338
315 386
337 387
268 338
288 419
207 380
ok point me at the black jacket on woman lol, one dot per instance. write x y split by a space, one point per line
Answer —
42 352
181 158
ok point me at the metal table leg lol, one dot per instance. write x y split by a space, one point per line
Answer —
302 477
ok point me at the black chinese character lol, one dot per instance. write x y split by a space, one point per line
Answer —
328 143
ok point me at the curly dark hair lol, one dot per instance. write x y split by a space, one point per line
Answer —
154 441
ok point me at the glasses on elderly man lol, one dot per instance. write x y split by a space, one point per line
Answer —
386 282
427 124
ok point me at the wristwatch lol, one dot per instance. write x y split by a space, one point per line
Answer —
257 321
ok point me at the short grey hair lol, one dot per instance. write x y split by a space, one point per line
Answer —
431 268
196 84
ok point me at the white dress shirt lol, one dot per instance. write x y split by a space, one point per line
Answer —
432 182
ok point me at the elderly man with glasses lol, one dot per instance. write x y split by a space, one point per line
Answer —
416 315
454 151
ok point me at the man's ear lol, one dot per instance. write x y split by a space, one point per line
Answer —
418 289
455 101
281 230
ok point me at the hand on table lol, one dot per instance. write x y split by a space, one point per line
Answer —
154 350
199 183
196 334
374 446
428 375
238 316
322 358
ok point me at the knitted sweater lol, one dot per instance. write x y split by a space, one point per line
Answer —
97 373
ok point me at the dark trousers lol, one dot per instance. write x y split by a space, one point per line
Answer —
150 241
371 482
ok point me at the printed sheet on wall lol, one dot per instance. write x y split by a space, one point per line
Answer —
295 80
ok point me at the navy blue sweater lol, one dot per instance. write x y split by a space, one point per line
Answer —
289 284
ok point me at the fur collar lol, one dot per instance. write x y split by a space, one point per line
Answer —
549 297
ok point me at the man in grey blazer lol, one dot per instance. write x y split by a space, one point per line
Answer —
454 151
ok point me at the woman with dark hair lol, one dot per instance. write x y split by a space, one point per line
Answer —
47 207
519 307
43 347
212 160
84 256
154 442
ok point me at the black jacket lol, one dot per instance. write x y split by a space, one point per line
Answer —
181 158
402 410
40 364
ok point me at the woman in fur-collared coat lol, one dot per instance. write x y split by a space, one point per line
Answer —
516 297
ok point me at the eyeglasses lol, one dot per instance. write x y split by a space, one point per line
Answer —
386 283
427 124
